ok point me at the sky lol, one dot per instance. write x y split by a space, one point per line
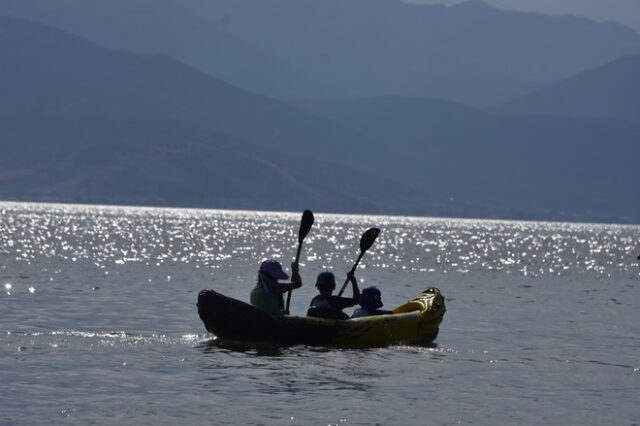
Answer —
624 11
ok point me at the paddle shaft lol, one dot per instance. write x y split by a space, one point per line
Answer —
355 265
305 226
366 241
289 292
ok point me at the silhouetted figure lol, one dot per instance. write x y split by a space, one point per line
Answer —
370 302
267 294
325 304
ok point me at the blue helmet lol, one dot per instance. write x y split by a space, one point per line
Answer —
326 280
371 298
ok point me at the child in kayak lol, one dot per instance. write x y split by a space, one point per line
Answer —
325 304
267 294
370 302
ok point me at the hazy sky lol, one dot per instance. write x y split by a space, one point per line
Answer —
623 11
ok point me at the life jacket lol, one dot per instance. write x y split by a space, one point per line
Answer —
320 302
360 312
364 312
321 307
271 303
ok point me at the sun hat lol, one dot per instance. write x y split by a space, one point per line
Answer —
273 268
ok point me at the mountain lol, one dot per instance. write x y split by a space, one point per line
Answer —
336 49
51 73
559 168
170 28
626 12
80 123
173 164
611 91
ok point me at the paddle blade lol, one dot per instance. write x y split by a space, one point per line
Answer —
305 224
366 241
368 238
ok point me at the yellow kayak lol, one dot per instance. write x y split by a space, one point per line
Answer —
416 321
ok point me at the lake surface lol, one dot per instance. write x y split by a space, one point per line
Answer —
98 323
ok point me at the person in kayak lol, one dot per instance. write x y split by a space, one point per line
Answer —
325 304
267 294
370 303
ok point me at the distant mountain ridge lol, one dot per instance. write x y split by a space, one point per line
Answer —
626 12
82 123
611 91
53 73
542 164
336 49
183 166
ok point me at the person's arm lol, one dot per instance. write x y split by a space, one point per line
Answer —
354 287
296 280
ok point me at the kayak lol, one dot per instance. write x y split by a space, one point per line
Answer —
414 322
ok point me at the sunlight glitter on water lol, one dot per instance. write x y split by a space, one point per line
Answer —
60 338
111 236
534 309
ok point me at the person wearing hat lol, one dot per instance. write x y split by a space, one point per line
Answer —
370 303
325 304
267 294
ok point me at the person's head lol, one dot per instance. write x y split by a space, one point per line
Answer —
326 282
371 298
273 269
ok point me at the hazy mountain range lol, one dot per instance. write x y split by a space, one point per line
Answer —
610 91
480 157
626 12
84 123
328 49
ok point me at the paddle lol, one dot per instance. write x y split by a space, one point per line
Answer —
366 242
305 227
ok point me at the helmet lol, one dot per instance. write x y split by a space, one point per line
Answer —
371 298
326 280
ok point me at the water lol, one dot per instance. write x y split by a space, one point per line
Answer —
98 323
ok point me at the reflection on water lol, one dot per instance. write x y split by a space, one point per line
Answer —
260 349
215 345
110 236
98 322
